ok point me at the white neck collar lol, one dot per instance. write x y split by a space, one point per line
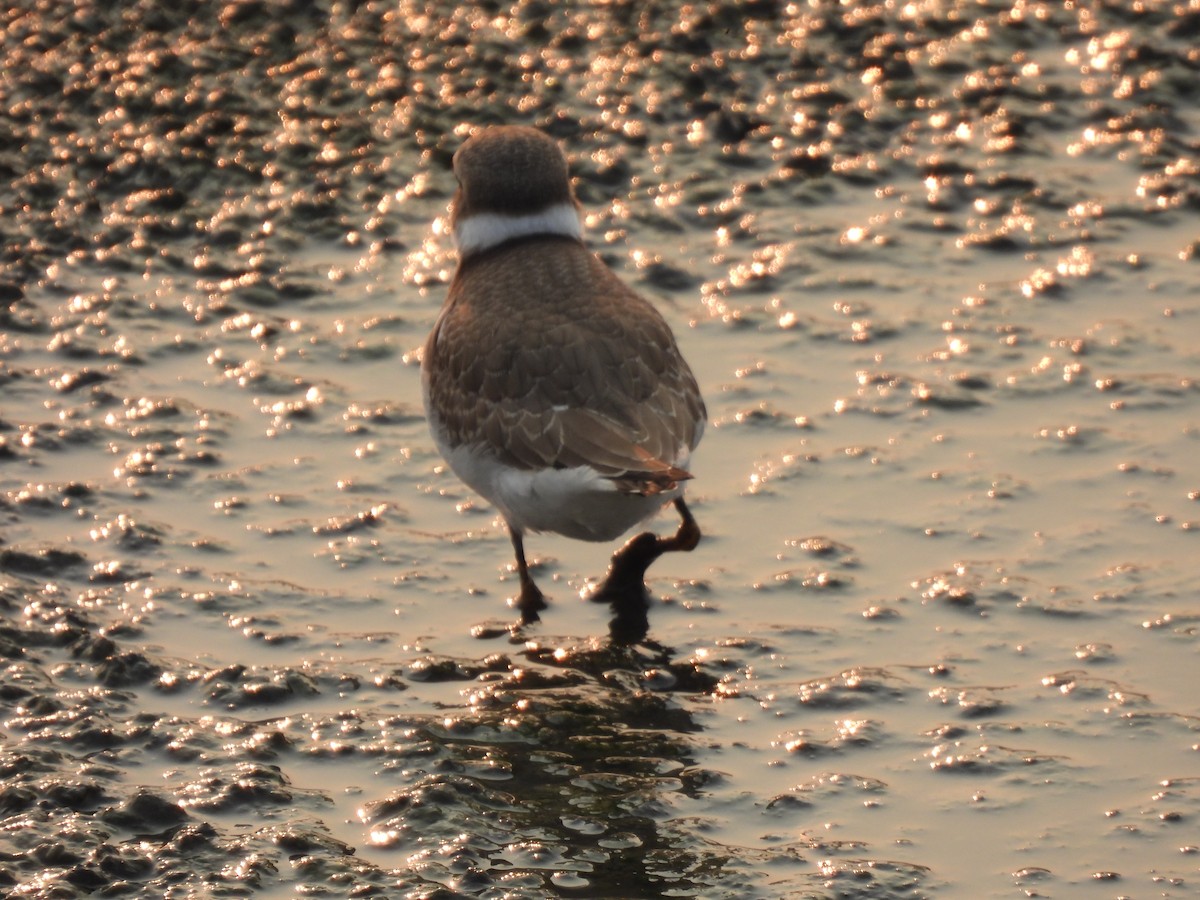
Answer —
482 231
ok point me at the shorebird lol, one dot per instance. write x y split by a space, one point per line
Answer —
552 388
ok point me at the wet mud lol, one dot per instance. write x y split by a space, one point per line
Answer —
934 265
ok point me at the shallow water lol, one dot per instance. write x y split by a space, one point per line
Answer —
934 267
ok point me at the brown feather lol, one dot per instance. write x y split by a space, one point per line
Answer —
576 370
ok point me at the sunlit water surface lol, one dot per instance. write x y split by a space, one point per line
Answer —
934 266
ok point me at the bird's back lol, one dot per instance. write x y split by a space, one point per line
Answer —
559 363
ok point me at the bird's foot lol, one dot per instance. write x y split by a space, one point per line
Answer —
624 586
624 589
529 603
687 536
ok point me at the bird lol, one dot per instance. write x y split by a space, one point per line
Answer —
551 388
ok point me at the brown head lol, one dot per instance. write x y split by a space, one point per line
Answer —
513 182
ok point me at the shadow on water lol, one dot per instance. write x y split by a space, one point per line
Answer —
566 768
573 768
559 773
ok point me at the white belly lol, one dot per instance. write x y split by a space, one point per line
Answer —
577 503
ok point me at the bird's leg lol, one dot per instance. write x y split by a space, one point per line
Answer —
626 579
531 600
687 536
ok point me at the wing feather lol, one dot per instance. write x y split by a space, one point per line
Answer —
562 377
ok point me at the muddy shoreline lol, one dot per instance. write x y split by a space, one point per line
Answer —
935 267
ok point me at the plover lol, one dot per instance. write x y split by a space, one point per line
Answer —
552 388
